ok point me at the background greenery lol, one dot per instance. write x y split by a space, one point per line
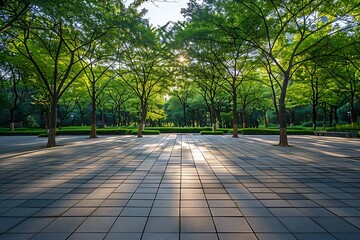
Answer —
255 64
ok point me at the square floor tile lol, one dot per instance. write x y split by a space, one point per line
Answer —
266 225
232 224
129 224
197 224
96 224
301 225
162 224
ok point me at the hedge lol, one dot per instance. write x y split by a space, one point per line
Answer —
264 131
211 132
146 132
180 129
102 131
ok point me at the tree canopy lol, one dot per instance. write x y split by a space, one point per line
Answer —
229 63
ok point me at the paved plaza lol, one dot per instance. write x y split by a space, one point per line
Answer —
180 186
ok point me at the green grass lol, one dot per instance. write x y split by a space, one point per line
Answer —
345 128
85 130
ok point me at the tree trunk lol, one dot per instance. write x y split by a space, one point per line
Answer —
235 117
282 114
12 119
324 123
243 115
314 114
266 122
212 115
353 116
292 117
93 114
184 112
52 123
273 93
142 118
331 117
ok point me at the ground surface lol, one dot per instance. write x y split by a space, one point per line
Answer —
180 187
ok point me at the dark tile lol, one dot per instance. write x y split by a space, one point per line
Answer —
64 225
162 224
160 236
231 224
335 225
266 225
197 224
129 224
275 236
198 236
32 225
96 224
7 223
87 236
301 225
123 236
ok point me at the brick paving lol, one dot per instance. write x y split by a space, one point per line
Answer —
180 186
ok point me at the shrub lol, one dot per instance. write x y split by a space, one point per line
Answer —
180 129
103 131
258 131
225 130
21 132
265 131
211 132
146 132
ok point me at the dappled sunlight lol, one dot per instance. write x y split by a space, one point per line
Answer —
178 178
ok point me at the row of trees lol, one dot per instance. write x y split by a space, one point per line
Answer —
240 57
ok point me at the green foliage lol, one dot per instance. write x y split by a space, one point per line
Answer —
225 130
265 131
146 132
346 128
20 131
180 129
211 132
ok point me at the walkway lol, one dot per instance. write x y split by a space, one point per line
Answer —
180 187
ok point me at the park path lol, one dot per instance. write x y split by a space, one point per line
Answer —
180 186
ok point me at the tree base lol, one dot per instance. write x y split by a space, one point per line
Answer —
283 138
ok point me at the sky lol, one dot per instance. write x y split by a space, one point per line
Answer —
162 12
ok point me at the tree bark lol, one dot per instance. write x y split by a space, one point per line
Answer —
184 112
93 113
212 115
235 117
142 118
52 122
12 119
324 123
314 114
283 142
243 115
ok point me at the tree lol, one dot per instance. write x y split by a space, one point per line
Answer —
98 75
183 91
210 84
283 33
144 67
248 93
18 86
119 95
211 34
49 39
11 12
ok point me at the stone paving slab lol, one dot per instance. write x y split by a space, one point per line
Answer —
180 186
